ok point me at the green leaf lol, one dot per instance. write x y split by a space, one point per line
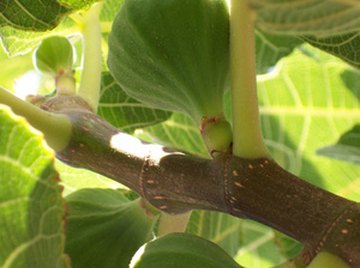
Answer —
262 248
313 17
178 250
77 4
343 46
179 132
73 179
219 228
123 111
31 206
104 228
31 15
347 148
272 47
172 55
17 41
15 67
306 103
108 13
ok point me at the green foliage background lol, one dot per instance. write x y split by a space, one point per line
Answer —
308 100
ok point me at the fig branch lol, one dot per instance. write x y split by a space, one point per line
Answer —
257 189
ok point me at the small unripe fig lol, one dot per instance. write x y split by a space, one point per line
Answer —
54 55
217 134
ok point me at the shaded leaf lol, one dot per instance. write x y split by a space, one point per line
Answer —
347 148
180 250
272 47
172 55
179 132
123 111
77 4
313 17
105 228
31 15
31 206
345 46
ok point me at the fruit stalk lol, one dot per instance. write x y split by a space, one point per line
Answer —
247 138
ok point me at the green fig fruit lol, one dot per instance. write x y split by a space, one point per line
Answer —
54 55
104 228
217 134
179 250
172 54
327 260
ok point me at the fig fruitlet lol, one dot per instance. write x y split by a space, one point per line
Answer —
172 54
54 55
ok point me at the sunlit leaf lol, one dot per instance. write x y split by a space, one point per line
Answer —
347 148
31 207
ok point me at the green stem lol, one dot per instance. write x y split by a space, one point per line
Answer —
173 223
55 127
90 81
247 138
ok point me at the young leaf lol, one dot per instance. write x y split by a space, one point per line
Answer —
31 207
172 55
104 228
123 111
347 148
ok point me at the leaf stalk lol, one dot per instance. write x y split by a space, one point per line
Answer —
247 138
